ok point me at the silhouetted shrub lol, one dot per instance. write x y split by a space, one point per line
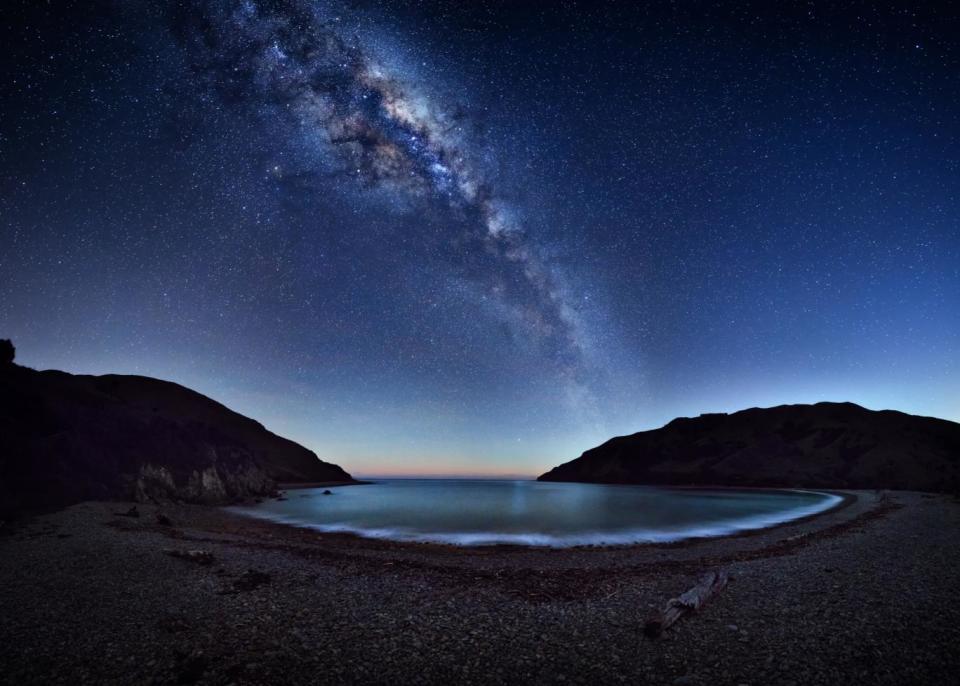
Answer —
7 351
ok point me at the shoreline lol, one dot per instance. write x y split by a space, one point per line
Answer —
865 506
847 498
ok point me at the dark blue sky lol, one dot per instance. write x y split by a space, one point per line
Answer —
447 238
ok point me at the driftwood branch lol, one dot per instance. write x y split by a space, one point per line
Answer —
690 601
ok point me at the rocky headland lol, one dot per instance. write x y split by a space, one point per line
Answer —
826 445
73 437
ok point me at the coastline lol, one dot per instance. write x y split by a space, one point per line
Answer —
279 603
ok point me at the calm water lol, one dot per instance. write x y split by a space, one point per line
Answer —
527 512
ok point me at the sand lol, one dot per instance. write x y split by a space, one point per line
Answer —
866 593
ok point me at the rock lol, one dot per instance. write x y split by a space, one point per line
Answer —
202 557
163 520
328 492
132 512
192 668
250 580
733 627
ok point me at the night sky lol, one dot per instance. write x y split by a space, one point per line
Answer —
480 238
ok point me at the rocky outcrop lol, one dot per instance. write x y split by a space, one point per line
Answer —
67 438
826 445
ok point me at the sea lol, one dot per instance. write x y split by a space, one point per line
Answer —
472 512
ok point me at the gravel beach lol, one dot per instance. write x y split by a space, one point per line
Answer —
865 593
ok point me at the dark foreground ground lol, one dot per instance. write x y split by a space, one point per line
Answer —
864 594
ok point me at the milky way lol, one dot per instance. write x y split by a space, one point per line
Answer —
312 85
449 236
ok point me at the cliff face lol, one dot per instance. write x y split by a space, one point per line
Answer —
66 438
827 445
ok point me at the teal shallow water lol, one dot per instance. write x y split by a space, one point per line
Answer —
475 512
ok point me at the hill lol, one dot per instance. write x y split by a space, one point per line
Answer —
826 445
67 438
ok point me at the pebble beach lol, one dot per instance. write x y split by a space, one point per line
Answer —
865 593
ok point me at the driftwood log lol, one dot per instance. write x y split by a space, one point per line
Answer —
690 601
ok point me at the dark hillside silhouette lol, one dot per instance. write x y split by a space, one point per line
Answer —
826 445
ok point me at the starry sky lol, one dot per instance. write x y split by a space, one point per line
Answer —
480 238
